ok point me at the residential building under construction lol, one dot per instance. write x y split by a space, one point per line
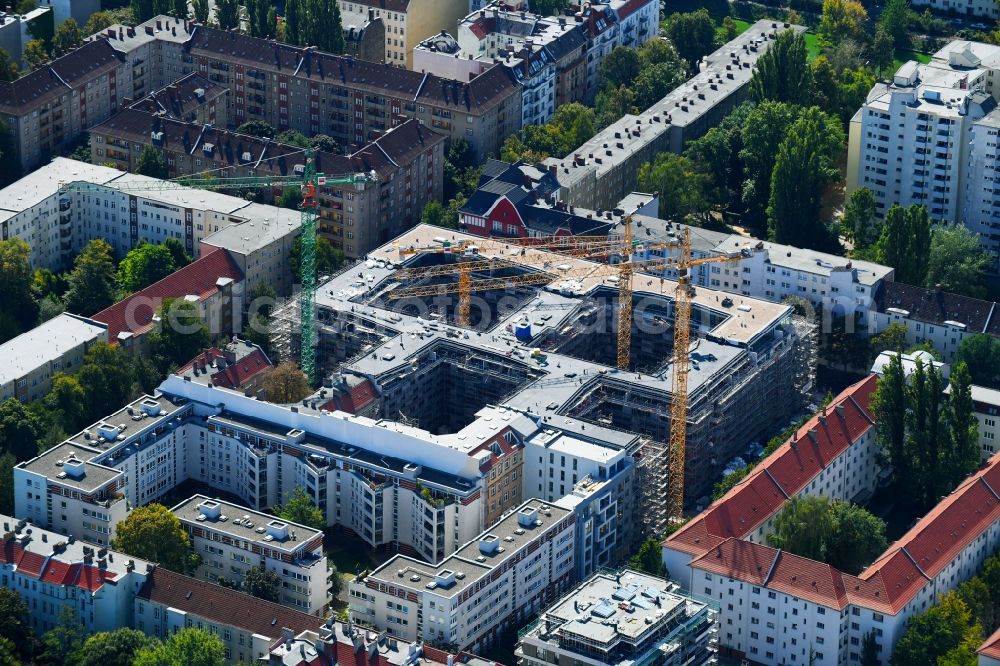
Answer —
539 341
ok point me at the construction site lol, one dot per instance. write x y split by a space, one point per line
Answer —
443 324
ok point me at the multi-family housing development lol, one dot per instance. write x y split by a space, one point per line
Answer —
407 22
776 607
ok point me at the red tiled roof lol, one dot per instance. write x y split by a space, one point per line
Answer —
887 585
991 648
234 375
808 579
355 400
224 606
135 313
31 563
734 558
631 7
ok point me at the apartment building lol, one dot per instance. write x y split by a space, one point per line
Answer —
986 403
938 318
597 174
498 581
407 22
626 618
406 164
780 608
247 626
239 365
364 38
79 10
190 99
989 652
152 52
32 359
16 29
978 8
51 573
232 539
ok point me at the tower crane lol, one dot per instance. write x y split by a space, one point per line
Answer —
308 182
625 271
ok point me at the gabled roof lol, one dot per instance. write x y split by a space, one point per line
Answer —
233 375
181 97
733 558
936 307
135 313
223 606
991 648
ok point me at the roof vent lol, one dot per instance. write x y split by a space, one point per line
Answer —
527 516
210 509
489 544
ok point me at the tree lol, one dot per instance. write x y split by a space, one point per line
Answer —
286 384
328 258
620 67
766 126
299 508
227 13
14 620
293 138
91 284
144 265
7 462
328 144
957 262
107 377
803 527
680 185
611 104
869 650
181 335
895 22
839 91
36 54
437 214
97 22
931 635
905 243
8 652
293 21
548 7
842 19
152 163
179 9
9 71
893 338
63 640
858 223
805 164
200 10
782 73
261 18
113 648
917 482
189 646
20 430
67 401
68 36
181 257
258 128
153 533
693 35
976 594
858 537
649 559
981 355
263 584
18 310
336 581
961 454
655 81
883 51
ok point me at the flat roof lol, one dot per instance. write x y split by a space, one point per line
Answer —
44 182
45 343
245 523
263 225
51 465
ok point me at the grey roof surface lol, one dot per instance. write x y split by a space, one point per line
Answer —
49 464
45 343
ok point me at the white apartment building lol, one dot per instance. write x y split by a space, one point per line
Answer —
778 608
51 573
987 10
986 402
500 580
30 361
232 539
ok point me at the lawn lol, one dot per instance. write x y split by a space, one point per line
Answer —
348 559
902 55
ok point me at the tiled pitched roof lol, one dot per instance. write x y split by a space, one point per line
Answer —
222 605
733 558
58 76
181 97
235 374
937 307
808 579
197 278
991 648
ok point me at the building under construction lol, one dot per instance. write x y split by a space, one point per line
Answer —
544 347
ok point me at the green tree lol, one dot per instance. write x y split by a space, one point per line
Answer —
548 7
68 36
328 258
9 71
328 144
894 21
782 73
14 621
961 454
299 508
293 20
957 262
883 51
869 650
177 251
20 430
97 22
7 462
935 633
893 338
858 537
980 353
261 17
113 648
263 584
680 185
804 166
979 598
91 284
179 9
189 646
730 481
61 643
67 401
107 376
803 527
611 104
293 138
655 81
858 223
842 19
227 13
285 384
200 10
181 335
766 126
142 10
8 652
36 54
693 35
649 559
716 154
620 67
144 265
258 128
152 163
18 310
437 214
153 533
905 243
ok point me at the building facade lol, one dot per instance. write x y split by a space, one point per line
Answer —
407 22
